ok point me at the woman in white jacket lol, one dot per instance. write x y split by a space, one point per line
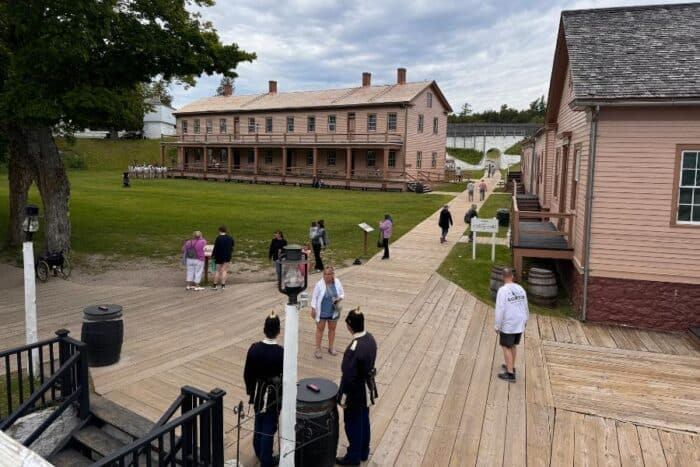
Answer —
325 306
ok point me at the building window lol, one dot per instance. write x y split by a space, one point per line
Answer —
310 124
331 123
371 122
330 160
420 123
290 124
419 160
392 159
268 156
689 189
251 125
430 99
391 121
209 126
433 160
435 125
222 125
251 157
309 158
268 124
371 159
184 126
557 156
577 174
196 125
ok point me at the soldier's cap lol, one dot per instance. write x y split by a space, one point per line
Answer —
272 325
356 320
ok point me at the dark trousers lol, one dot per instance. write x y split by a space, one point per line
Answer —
357 430
317 255
481 195
263 439
471 195
385 242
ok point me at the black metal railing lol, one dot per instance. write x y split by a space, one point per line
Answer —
55 372
194 438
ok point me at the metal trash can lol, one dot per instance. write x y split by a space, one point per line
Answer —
317 423
103 333
503 216
419 188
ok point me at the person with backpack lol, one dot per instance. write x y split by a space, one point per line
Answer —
319 240
472 213
193 255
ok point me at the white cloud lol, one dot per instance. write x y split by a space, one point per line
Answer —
484 53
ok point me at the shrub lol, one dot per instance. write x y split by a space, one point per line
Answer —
73 160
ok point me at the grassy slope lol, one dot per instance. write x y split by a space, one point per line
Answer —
101 154
154 217
470 156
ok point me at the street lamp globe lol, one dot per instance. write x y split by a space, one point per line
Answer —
31 220
294 272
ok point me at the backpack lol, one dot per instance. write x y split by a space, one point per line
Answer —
190 252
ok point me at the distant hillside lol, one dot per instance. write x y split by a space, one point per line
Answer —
470 156
105 154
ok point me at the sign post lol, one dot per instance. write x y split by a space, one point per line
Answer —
208 250
366 229
487 226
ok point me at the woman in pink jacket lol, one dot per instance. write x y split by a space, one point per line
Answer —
386 227
193 254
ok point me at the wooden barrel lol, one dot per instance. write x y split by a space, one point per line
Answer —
496 280
542 288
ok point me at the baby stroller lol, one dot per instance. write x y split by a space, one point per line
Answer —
55 262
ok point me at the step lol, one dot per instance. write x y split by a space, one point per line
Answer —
69 458
97 440
120 417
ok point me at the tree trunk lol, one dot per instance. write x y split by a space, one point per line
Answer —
35 148
20 176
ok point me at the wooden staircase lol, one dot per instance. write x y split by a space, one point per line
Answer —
108 428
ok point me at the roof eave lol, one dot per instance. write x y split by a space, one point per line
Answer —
289 109
583 103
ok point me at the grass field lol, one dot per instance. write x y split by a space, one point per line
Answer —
451 187
470 156
475 275
154 217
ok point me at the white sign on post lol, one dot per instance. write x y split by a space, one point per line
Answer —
366 227
487 226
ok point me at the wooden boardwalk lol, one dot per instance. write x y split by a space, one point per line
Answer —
586 394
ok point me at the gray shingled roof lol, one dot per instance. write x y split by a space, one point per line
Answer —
636 52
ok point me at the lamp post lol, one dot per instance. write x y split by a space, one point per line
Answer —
29 226
292 280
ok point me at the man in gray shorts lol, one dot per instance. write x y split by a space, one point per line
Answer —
511 318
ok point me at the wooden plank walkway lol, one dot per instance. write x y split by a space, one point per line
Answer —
586 394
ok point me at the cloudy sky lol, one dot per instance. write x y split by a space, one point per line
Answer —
486 53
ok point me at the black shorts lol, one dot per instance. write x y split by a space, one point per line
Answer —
510 340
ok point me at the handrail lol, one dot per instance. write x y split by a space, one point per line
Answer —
518 214
293 138
22 348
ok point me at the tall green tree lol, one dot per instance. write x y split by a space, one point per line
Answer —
158 89
80 63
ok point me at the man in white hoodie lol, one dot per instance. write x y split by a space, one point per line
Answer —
511 318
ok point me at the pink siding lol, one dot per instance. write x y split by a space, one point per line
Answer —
634 185
427 142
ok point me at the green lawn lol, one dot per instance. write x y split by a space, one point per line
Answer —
452 187
470 156
4 412
154 217
475 275
493 203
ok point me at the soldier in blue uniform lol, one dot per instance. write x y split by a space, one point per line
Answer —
357 388
263 382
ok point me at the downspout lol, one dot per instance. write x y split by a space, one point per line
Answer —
589 207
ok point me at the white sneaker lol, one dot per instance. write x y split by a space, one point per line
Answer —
189 287
198 288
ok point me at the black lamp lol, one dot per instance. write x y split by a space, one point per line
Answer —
31 221
294 272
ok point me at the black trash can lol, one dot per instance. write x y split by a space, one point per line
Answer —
317 423
503 216
103 333
419 187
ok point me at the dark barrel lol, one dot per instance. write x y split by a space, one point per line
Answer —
542 288
317 423
503 216
103 333
496 279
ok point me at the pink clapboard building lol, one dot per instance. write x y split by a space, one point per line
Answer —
372 137
611 183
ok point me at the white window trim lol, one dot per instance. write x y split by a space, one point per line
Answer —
694 187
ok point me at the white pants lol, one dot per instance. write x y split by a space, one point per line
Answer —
195 267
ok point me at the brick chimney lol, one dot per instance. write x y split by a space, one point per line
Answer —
400 76
366 79
272 87
228 89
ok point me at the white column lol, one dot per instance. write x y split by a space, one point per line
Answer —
289 386
30 302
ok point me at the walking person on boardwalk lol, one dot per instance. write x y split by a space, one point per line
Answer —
511 318
471 214
319 241
193 255
277 244
444 223
386 227
325 307
470 190
482 190
263 383
222 253
358 389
